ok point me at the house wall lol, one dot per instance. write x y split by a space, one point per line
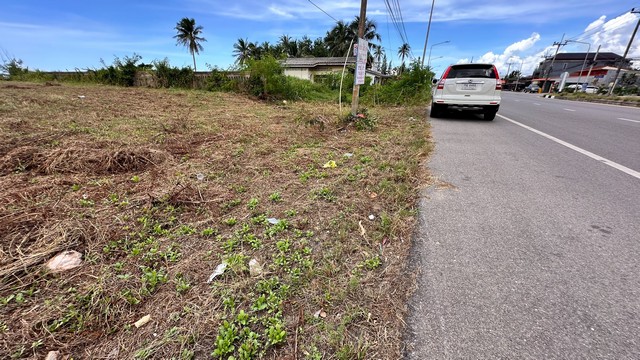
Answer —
300 73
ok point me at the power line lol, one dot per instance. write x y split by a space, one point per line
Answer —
319 8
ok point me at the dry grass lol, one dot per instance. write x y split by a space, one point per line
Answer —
156 188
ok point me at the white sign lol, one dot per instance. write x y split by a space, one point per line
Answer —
361 61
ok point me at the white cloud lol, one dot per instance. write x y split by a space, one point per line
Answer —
596 24
280 12
614 35
522 45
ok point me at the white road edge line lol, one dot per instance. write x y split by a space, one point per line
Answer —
635 121
613 164
569 109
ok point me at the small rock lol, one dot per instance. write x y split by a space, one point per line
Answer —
371 217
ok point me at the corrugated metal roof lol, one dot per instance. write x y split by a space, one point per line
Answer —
603 56
312 62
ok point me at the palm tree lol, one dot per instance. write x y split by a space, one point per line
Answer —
403 52
377 54
370 33
242 51
338 39
189 36
340 36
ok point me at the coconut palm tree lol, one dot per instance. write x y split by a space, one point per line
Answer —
242 51
189 36
338 39
403 52
377 54
340 36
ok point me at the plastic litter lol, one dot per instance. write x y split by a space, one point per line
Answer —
255 269
330 164
371 217
218 271
348 155
273 221
52 355
200 176
66 260
143 320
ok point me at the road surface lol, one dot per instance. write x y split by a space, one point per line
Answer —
529 244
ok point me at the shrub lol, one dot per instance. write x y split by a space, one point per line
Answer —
172 77
412 87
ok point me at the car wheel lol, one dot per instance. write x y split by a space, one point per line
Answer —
436 111
490 114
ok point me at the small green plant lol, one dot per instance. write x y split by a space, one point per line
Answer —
275 197
252 204
135 179
3 327
182 284
231 204
209 232
275 332
151 279
186 230
224 344
230 221
76 187
86 202
373 263
325 194
290 213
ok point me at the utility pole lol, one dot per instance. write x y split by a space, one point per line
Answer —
615 77
426 40
593 63
356 88
557 44
519 74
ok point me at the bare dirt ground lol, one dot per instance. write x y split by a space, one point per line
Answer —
157 188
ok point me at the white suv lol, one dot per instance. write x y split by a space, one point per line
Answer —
470 87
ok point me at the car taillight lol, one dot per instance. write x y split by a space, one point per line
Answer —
444 77
498 81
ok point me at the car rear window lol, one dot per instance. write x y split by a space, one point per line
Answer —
472 71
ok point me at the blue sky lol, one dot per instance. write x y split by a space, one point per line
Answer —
69 34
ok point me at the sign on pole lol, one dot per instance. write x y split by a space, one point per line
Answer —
361 61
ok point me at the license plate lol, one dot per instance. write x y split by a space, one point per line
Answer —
468 86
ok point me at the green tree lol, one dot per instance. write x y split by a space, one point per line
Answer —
242 50
403 51
189 35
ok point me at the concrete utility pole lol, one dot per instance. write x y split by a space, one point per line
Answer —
426 40
519 75
557 44
615 77
356 88
595 58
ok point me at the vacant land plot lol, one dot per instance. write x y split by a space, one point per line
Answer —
307 219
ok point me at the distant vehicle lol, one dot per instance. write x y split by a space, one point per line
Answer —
468 87
591 90
533 88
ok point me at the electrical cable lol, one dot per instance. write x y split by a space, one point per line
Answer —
319 8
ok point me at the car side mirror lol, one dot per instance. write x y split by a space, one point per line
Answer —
434 81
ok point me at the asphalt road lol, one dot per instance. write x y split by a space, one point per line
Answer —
529 245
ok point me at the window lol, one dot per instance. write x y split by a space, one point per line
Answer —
564 66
